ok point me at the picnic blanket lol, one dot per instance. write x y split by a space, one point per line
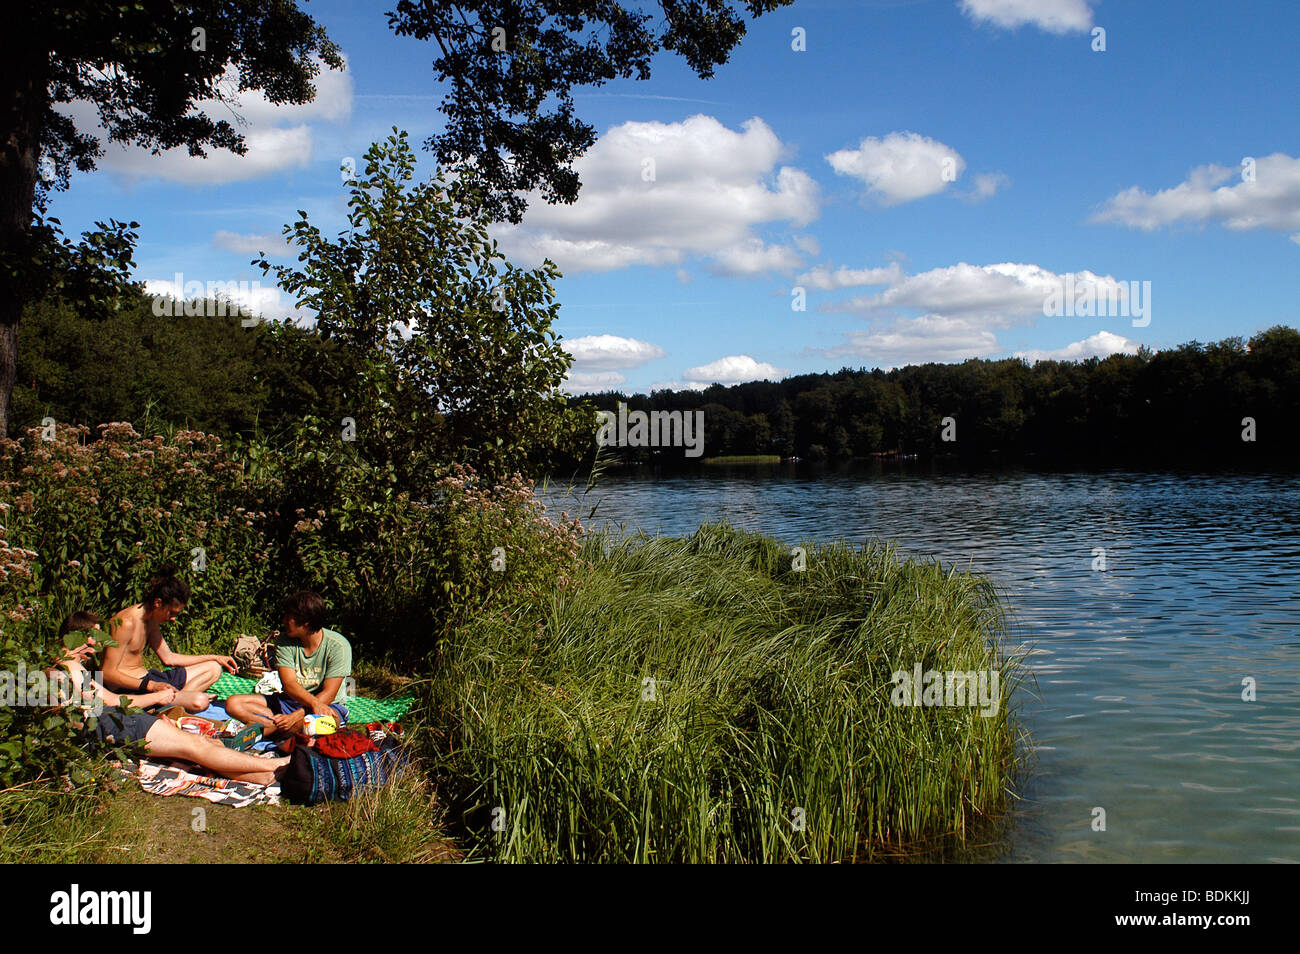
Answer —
359 709
169 778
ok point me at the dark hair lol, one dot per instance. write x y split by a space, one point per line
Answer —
166 587
82 619
306 607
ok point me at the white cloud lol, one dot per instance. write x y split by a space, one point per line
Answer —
733 369
1101 345
821 277
987 185
712 188
1052 16
900 167
961 308
272 243
1271 201
589 382
277 137
1000 294
754 257
928 338
609 352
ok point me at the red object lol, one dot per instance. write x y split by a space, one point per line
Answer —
344 744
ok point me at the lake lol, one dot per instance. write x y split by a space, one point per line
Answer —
1138 707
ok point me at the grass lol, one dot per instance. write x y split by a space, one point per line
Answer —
691 699
396 823
698 699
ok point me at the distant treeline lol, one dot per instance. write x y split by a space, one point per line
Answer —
1181 406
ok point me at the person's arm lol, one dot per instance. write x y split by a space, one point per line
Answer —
338 669
169 658
327 692
72 662
293 689
139 700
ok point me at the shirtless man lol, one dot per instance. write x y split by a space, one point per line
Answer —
140 625
162 739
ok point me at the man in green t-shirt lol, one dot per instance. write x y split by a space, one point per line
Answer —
312 662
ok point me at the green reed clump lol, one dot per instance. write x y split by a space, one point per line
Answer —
699 699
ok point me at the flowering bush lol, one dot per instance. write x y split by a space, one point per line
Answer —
497 545
86 523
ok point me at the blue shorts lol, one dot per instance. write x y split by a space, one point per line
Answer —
116 728
280 704
176 677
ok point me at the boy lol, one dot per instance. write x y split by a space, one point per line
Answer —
134 627
312 662
161 738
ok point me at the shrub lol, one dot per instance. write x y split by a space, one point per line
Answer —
97 519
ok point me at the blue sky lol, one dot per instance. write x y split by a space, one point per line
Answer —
926 172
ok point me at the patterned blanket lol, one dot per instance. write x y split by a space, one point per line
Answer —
359 710
170 778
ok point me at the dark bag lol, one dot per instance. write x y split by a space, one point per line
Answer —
312 777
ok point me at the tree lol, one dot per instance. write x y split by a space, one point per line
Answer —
145 65
456 358
506 58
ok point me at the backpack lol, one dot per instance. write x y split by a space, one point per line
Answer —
313 777
255 655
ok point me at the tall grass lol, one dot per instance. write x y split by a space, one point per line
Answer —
698 699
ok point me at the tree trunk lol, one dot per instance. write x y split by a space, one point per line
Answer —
23 101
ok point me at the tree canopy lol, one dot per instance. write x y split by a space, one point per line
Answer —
145 66
507 58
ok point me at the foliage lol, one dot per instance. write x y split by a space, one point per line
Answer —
101 516
455 356
144 66
495 545
1184 405
508 58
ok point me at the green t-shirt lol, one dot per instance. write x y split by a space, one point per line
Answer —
333 658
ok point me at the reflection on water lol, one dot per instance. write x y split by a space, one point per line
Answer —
1138 707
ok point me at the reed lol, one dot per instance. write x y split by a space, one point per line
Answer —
699 699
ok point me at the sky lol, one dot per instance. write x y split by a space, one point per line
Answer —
866 183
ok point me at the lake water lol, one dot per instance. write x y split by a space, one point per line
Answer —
1138 707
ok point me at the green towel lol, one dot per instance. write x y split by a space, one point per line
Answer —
359 709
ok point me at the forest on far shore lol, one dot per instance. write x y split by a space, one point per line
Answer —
1184 405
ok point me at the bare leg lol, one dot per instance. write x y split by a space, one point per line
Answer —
193 701
167 741
201 675
251 709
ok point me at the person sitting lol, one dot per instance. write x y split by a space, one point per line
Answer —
312 663
162 739
141 624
